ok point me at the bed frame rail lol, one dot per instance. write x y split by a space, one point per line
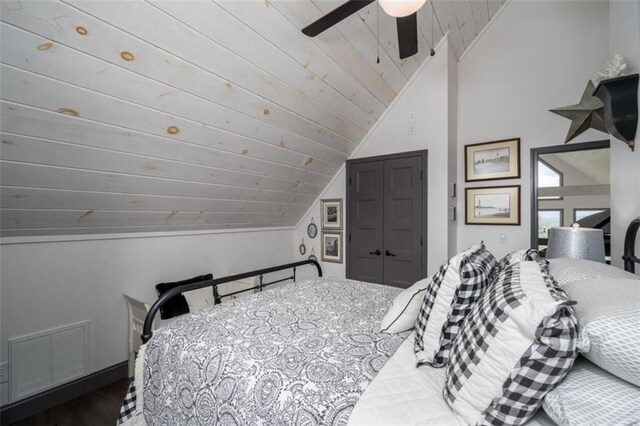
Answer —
629 256
148 322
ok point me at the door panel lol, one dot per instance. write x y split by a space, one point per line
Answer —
403 192
365 209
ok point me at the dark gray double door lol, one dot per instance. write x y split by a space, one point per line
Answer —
386 226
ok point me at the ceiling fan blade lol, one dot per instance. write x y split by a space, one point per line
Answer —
407 35
335 16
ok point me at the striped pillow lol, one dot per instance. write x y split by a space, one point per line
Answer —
516 344
519 256
451 294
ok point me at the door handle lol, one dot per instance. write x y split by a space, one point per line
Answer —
377 252
388 253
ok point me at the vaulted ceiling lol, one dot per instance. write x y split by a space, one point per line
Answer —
164 115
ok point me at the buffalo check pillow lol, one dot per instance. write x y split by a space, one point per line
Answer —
449 297
519 256
515 345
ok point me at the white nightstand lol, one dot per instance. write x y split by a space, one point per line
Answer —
238 285
137 314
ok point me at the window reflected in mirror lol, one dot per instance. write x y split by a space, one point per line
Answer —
592 214
548 177
548 218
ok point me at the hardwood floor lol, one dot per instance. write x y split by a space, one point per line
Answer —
97 408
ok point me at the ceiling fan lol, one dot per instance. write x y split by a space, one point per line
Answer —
405 12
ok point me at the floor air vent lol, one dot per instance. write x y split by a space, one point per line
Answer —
40 361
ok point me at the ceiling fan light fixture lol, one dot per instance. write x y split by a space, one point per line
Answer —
401 8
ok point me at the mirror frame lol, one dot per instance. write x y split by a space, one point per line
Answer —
535 154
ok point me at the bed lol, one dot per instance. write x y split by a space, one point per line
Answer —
261 359
304 353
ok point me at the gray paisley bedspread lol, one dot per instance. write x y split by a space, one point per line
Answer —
299 354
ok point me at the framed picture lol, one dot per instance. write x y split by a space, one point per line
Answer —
492 160
332 247
492 205
331 214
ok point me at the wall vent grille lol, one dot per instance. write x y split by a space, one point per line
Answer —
43 360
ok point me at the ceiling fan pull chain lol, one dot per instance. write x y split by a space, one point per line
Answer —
378 32
433 12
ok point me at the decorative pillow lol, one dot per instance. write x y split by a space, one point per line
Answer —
515 345
199 299
591 396
451 294
609 315
177 305
405 308
568 270
518 256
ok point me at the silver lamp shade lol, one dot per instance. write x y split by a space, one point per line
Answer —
576 243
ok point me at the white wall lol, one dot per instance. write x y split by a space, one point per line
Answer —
329 269
533 57
427 95
51 284
624 38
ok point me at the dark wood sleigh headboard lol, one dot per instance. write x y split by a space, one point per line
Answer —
148 322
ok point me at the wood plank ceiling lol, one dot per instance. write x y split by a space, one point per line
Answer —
164 115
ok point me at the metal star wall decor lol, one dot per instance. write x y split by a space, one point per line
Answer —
589 113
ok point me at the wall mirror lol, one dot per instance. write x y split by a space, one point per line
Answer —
570 183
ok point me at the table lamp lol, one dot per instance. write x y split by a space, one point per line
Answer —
576 243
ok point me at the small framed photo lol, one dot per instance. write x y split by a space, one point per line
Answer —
331 214
332 247
492 205
492 160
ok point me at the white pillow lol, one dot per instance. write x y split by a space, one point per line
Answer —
199 299
608 311
516 344
591 396
405 307
451 294
567 270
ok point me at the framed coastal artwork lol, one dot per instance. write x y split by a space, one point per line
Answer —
492 160
332 247
492 205
331 210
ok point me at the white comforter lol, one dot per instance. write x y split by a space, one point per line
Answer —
402 394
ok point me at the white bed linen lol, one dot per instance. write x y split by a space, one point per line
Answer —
402 394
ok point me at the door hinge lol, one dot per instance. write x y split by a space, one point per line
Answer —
349 237
420 241
421 175
349 180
